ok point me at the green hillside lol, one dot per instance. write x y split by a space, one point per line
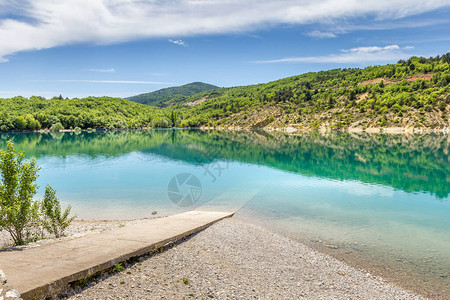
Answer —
172 95
411 93
35 113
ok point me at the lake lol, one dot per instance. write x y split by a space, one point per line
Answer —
379 202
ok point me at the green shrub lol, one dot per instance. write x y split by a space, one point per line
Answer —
118 268
53 220
19 213
161 122
20 123
57 127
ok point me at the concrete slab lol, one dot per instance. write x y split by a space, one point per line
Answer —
44 270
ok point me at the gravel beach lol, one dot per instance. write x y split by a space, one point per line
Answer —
236 260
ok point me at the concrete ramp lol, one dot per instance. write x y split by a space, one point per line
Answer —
37 272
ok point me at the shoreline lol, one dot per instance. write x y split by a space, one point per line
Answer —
232 258
404 273
376 266
373 130
289 129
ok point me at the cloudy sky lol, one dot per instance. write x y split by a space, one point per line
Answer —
120 48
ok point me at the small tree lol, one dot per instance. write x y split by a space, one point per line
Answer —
53 221
18 212
57 127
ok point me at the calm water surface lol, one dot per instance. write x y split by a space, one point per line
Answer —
376 201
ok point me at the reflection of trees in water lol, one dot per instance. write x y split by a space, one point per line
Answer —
409 162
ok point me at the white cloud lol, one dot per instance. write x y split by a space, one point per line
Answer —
116 81
372 49
388 25
178 42
110 70
353 55
48 23
333 28
321 34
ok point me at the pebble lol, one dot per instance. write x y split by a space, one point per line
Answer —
236 260
3 279
12 294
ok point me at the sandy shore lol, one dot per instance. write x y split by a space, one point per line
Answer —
237 260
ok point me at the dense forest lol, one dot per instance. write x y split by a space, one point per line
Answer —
410 93
36 113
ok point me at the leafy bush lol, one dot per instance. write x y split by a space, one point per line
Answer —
161 122
53 220
57 127
19 213
118 268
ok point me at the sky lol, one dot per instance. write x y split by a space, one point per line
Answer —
120 48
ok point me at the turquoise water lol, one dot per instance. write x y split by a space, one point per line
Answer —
377 201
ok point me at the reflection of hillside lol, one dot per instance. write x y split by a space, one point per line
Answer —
408 162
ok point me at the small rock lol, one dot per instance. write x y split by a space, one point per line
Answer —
12 294
3 278
154 213
290 129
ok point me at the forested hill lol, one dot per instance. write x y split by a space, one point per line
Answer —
410 93
35 113
172 95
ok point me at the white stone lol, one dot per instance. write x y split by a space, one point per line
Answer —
3 278
12 294
291 129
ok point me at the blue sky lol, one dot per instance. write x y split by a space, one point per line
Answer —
120 48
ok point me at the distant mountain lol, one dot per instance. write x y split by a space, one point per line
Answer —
172 95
